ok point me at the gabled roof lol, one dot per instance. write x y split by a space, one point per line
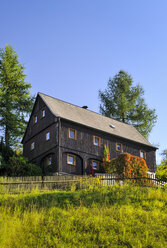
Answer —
92 119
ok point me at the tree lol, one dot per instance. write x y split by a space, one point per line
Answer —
164 155
124 102
161 171
19 166
15 99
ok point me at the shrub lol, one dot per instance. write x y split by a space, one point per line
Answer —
19 166
126 164
161 171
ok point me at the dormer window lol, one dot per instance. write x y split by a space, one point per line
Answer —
96 141
47 136
72 133
119 147
32 146
42 113
35 119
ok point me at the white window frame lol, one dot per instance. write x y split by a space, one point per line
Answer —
47 135
32 146
43 113
35 119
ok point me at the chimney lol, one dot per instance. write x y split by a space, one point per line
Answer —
84 107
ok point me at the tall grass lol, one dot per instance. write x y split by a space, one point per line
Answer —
117 216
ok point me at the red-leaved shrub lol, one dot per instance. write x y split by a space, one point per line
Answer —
126 165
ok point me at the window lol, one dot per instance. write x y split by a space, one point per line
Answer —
143 154
71 159
32 146
95 165
42 113
96 141
49 160
47 136
119 147
35 119
72 133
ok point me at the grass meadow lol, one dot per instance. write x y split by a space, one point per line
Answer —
116 216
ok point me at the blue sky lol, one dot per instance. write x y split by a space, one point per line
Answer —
71 48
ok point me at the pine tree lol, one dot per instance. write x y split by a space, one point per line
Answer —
124 102
15 99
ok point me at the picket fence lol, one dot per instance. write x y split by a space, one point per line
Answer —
150 180
61 181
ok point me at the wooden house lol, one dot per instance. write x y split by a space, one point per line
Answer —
62 137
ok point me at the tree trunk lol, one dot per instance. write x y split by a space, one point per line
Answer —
7 136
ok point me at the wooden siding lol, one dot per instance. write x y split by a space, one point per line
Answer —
36 133
84 144
41 145
43 122
59 144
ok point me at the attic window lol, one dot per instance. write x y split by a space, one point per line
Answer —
112 126
35 119
42 113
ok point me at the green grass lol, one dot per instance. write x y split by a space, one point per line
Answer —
117 216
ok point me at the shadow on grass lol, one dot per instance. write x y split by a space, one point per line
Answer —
104 196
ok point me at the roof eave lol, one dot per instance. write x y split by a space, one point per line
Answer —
109 133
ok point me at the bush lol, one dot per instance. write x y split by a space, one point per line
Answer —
161 172
19 166
126 164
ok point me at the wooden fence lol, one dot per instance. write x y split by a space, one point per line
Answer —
21 184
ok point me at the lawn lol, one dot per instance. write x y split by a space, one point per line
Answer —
117 216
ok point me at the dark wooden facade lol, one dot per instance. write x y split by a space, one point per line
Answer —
52 154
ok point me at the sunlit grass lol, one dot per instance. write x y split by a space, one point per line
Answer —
117 216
